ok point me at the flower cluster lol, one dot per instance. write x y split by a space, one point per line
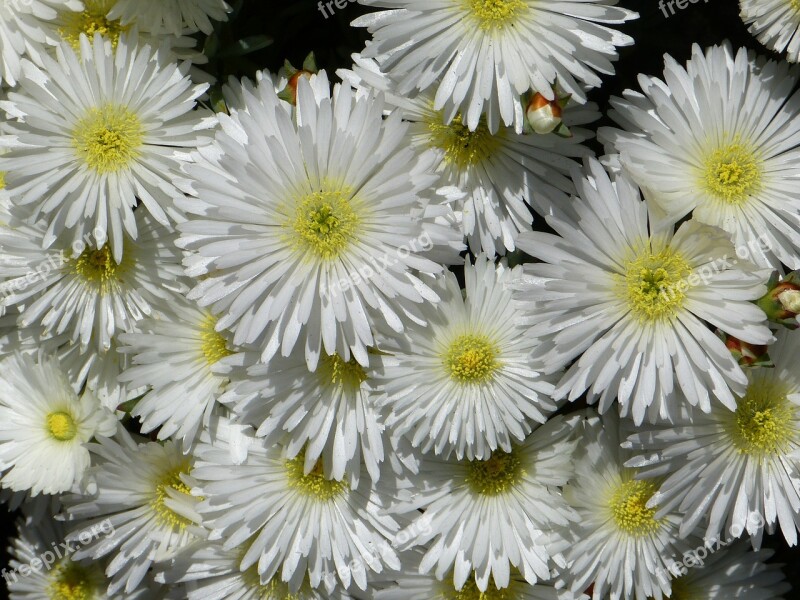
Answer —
405 336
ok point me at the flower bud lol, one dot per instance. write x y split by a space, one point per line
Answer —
782 302
544 116
289 93
748 355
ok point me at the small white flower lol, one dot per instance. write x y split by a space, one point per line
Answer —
629 303
175 17
94 131
463 381
775 23
480 56
735 471
44 425
144 491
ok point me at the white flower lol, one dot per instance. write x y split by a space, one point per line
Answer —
307 231
330 413
732 572
96 130
80 289
486 517
502 173
23 31
175 17
297 524
775 23
178 355
631 303
618 541
44 425
144 491
718 139
463 382
41 565
482 55
733 471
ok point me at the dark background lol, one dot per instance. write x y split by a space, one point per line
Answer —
296 27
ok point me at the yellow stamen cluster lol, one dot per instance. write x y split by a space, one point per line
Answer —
655 284
334 370
313 484
108 138
470 591
496 475
763 424
98 268
629 510
463 148
493 15
795 4
171 480
214 344
61 426
732 173
325 223
72 581
471 359
90 21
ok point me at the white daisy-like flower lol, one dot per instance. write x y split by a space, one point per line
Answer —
296 524
618 543
209 572
176 17
42 566
730 572
480 56
502 173
307 231
631 303
775 23
144 491
463 381
94 131
484 518
80 289
331 412
733 471
718 138
44 425
23 32
184 361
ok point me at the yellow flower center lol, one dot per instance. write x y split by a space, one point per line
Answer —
495 14
90 21
214 344
732 173
171 480
763 422
655 284
72 581
470 591
61 426
99 269
275 589
629 507
2 180
313 484
108 138
463 148
795 4
471 359
325 224
496 475
334 370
